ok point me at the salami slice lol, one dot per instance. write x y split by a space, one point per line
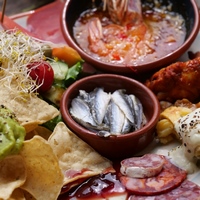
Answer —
186 191
148 165
169 178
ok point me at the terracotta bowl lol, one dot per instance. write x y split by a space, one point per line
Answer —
121 146
187 8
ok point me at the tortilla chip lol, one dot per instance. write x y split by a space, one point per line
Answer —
18 194
44 177
76 158
41 131
30 111
173 113
30 126
30 135
28 196
12 175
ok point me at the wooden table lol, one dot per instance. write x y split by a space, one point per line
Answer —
18 6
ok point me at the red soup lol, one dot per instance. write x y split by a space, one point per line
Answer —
157 33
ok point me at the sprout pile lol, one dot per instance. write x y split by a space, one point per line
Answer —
17 50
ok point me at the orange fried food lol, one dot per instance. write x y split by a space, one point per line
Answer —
177 81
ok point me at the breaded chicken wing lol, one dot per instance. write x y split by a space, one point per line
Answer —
177 81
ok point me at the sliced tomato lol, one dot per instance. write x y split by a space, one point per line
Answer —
43 74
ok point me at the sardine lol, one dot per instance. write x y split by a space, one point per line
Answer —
104 134
84 95
81 112
138 109
99 101
108 114
117 118
127 126
106 119
120 99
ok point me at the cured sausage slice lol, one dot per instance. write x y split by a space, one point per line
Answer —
148 165
169 178
186 191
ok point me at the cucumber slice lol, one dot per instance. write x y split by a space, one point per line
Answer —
60 69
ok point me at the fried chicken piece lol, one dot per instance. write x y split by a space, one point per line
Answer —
177 81
193 55
187 104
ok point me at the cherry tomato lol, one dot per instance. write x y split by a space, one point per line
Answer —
43 73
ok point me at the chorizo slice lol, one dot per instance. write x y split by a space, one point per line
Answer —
169 178
148 165
187 190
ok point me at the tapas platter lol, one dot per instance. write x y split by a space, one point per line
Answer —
23 20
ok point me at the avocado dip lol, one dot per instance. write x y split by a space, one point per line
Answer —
12 134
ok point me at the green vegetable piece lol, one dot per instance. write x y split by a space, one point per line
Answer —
53 122
47 50
60 69
12 134
73 73
63 78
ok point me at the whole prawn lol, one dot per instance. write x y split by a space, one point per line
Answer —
126 16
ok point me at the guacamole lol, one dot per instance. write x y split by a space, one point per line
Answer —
12 134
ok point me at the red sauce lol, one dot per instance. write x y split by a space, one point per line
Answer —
159 33
101 186
107 186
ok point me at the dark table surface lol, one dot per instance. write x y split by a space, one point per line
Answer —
18 6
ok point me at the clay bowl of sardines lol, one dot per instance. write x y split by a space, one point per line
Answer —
136 36
114 114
